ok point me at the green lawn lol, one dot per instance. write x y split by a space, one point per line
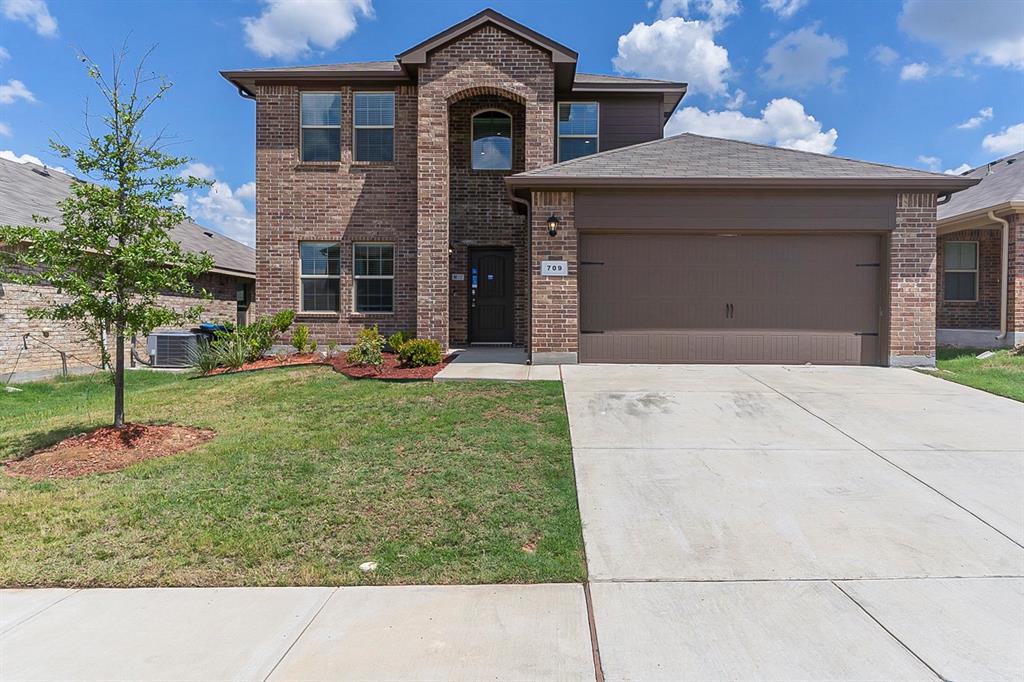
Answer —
1002 374
310 475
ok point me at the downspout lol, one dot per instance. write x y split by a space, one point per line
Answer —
529 261
1003 292
242 92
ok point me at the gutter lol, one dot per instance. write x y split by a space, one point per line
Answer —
1004 289
529 260
938 185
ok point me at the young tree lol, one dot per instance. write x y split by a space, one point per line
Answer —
112 256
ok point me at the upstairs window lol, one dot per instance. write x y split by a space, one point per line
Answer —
374 127
320 276
577 129
492 141
960 271
321 126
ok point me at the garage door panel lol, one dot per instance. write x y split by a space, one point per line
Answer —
750 299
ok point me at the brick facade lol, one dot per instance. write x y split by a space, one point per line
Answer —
480 213
912 281
1015 295
984 312
554 327
344 201
38 355
491 62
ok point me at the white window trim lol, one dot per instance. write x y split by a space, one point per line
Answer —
597 136
302 300
302 126
975 270
511 140
355 278
394 116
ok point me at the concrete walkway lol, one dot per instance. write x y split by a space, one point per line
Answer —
523 632
799 523
496 363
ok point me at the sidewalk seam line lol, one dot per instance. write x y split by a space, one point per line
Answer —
887 630
40 611
888 461
295 641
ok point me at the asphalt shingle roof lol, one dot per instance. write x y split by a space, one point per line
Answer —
1002 181
690 156
27 189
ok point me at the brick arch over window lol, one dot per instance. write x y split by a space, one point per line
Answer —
491 90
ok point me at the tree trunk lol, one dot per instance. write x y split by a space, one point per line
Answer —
119 379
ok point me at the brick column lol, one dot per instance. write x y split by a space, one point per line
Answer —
554 329
432 218
912 282
1015 288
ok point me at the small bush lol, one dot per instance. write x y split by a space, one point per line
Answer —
232 350
420 353
312 346
300 338
332 349
204 357
396 340
257 337
368 349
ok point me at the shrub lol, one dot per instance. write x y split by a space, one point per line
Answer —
396 340
420 353
232 350
312 346
332 349
368 349
204 357
257 337
300 338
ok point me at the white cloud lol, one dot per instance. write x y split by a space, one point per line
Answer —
675 49
884 55
803 58
4 54
1006 141
736 100
933 163
989 31
715 12
226 210
8 155
784 8
291 28
13 90
915 71
783 123
959 170
35 13
975 121
198 170
5 129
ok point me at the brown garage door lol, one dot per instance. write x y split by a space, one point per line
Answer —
742 299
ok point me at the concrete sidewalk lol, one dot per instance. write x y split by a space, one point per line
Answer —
496 363
522 632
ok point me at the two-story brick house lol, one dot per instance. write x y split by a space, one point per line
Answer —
477 189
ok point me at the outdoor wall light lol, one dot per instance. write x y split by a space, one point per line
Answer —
553 225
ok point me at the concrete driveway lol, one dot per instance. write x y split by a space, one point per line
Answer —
799 522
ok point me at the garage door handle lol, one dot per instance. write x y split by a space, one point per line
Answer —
865 333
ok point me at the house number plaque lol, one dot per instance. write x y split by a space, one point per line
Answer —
554 268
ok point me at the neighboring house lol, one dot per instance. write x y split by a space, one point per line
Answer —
980 293
477 189
31 349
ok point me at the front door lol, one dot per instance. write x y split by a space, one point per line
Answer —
490 296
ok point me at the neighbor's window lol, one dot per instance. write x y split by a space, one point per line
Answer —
374 126
374 274
321 126
577 129
960 272
492 141
320 276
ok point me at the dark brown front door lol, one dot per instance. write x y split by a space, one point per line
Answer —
490 296
786 299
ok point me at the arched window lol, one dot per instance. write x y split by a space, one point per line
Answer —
492 141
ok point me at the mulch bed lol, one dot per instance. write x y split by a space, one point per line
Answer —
392 369
107 449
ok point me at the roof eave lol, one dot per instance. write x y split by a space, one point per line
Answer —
981 213
939 185
247 79
242 274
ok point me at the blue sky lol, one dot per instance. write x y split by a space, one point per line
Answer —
922 83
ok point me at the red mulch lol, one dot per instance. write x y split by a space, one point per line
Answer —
392 369
107 449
